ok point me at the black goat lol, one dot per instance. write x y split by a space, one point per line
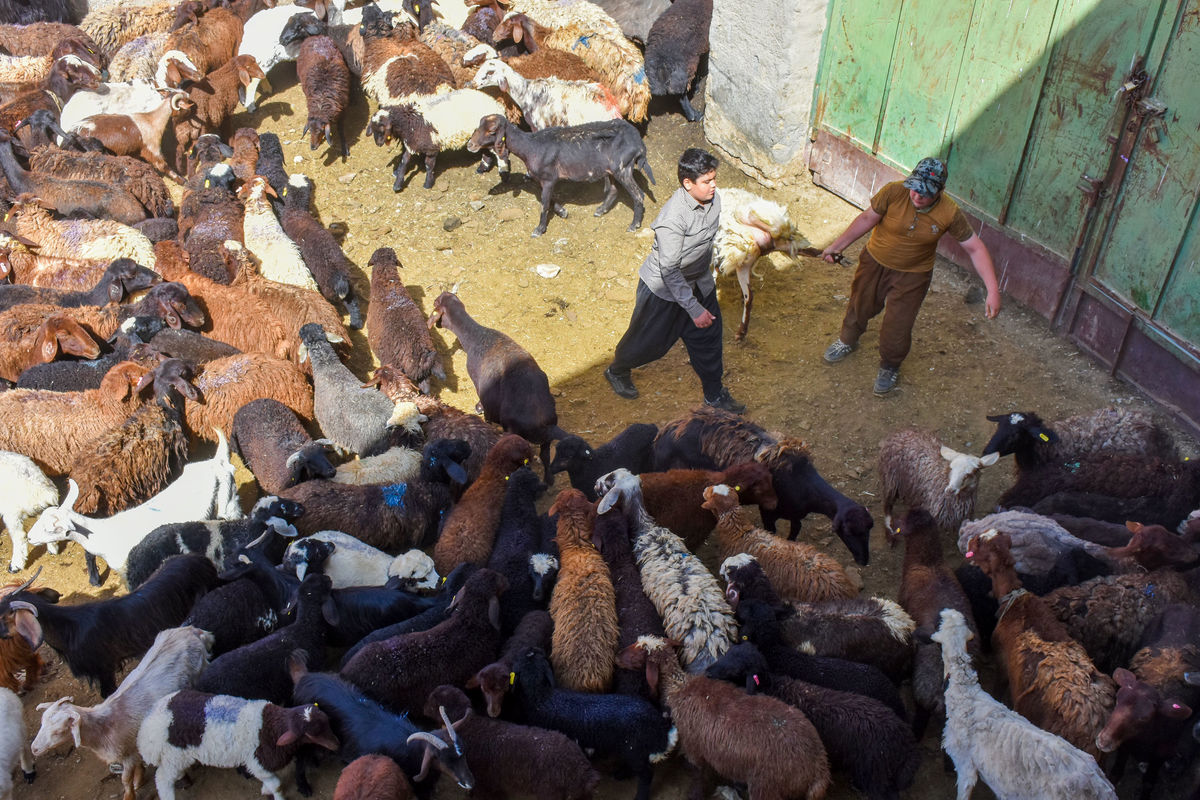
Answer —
610 149
632 449
96 638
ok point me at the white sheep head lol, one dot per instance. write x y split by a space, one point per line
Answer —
964 467
492 72
60 725
415 569
618 487
953 633
57 524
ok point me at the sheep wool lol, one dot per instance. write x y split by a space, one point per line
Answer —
279 257
27 492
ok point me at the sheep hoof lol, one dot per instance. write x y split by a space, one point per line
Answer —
13 568
633 226
29 776
537 232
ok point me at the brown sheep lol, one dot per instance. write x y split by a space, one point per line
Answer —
396 327
583 605
24 342
796 570
53 428
372 777
227 384
137 177
40 38
325 79
1052 681
80 239
470 528
215 97
245 153
21 264
67 75
209 42
674 498
396 64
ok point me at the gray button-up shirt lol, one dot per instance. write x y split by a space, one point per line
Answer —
683 236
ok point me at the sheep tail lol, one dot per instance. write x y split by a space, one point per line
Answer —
644 165
672 742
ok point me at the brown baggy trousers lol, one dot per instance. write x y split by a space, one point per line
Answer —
897 294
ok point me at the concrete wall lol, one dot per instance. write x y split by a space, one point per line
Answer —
762 69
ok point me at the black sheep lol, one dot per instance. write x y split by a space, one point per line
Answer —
677 41
632 449
517 540
123 277
277 448
396 328
330 267
195 349
495 679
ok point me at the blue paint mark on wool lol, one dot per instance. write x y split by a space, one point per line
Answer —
393 495
640 75
223 709
584 41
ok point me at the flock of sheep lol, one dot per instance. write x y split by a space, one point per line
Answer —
394 599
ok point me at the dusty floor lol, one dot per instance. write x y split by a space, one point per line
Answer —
962 368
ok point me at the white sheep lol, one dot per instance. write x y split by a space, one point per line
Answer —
115 98
685 594
204 490
1015 758
27 491
13 746
351 562
919 471
260 39
138 58
110 729
279 257
396 465
549 102
1037 541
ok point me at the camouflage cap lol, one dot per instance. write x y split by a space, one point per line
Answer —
928 177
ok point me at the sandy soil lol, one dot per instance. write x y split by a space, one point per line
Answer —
962 367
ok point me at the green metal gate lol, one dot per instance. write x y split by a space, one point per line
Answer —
1072 133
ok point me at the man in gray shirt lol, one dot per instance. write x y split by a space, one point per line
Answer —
676 295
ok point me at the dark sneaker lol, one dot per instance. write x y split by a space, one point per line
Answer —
621 384
837 351
885 381
725 402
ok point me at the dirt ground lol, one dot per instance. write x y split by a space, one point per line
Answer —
962 367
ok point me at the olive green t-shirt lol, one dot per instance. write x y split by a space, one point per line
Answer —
906 238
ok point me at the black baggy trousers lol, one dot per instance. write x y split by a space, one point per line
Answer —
656 325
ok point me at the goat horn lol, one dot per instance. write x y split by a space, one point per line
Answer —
21 605
450 729
28 583
425 736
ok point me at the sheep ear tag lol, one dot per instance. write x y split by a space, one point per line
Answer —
512 678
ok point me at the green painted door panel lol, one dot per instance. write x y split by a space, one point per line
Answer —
1002 77
1180 310
929 51
1159 197
858 52
1094 44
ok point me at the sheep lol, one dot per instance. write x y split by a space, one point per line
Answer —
919 471
396 65
676 42
709 438
18 73
67 76
1014 757
27 492
685 594
278 255
82 634
330 267
189 727
19 263
87 198
14 749
123 277
777 751
1154 701
26 340
76 376
227 384
108 98
798 571
113 26
515 553
470 529
215 98
394 465
869 630
584 464
137 59
513 390
538 61
675 498
350 562
210 41
396 327
104 240
442 420
609 725
276 447
136 461
506 757
140 134
843 720
372 777
270 162
109 729
1053 682
926 587
263 38
353 417
203 490
550 102
210 215
363 726
325 79
401 671
1033 442
220 541
495 681
52 428
583 605
194 349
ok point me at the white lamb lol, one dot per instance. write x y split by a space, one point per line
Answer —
205 490
110 729
279 257
13 746
549 102
27 492
351 562
1015 758
260 38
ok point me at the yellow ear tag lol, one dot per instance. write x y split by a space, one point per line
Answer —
505 477
207 184
285 191
526 461
745 638
512 678
737 488
1043 437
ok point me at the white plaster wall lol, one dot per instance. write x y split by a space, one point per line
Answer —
762 70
